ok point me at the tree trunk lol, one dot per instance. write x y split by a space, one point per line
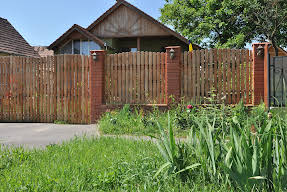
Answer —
275 47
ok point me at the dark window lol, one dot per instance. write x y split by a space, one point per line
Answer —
77 46
67 49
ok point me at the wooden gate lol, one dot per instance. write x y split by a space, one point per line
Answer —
278 81
44 89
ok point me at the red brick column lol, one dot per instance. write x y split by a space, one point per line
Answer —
260 74
97 83
173 74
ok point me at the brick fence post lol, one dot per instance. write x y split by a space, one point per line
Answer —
97 83
260 74
173 74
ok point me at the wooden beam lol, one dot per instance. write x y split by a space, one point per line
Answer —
138 44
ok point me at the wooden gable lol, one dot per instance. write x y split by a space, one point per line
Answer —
126 22
281 52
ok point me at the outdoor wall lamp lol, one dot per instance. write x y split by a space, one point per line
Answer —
171 53
94 56
260 50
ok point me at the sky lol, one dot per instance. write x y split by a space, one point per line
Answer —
41 22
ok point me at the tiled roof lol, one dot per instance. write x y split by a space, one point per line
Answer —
12 42
43 51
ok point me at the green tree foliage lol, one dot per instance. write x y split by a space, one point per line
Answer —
228 23
270 20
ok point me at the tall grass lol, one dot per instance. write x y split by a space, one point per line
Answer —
246 150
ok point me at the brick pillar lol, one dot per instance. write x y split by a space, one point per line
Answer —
260 74
97 83
173 74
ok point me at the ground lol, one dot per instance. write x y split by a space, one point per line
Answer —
39 134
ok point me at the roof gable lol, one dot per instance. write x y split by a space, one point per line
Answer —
125 22
93 27
12 42
76 29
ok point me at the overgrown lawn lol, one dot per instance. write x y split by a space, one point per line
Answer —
89 164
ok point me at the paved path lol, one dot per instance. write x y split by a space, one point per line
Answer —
39 134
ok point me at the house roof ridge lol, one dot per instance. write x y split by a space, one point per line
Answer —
80 29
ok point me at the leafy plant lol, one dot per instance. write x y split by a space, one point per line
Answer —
172 153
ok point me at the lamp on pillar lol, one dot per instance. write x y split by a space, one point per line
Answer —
172 53
260 50
94 55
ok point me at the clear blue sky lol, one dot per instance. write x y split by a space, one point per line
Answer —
41 22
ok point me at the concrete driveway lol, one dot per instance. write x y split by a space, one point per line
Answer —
39 135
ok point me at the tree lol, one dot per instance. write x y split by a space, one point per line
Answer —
270 20
226 23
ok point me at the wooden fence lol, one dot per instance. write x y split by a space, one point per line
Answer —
59 88
224 72
44 89
135 78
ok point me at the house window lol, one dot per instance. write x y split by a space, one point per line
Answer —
85 48
94 46
82 47
77 46
67 49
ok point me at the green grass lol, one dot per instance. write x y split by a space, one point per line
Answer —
138 122
90 164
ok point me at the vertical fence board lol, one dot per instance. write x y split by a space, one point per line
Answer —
189 74
247 75
206 72
117 73
142 83
224 70
185 75
215 71
211 70
154 79
250 75
238 75
138 58
242 95
229 82
132 78
233 76
138 82
163 80
120 85
193 75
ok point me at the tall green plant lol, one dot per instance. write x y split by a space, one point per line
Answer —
176 163
257 154
206 146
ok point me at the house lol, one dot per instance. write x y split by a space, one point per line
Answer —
12 43
123 28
